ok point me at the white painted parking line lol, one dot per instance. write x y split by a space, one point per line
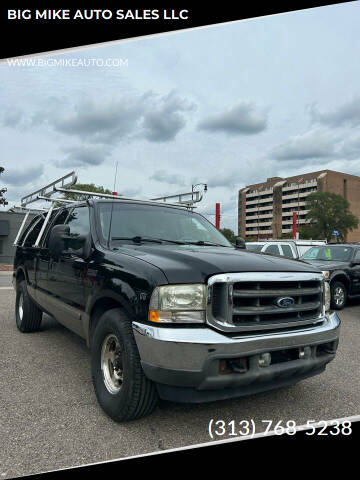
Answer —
6 288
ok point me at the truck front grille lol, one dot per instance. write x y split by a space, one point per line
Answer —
264 301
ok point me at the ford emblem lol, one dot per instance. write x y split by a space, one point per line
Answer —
285 302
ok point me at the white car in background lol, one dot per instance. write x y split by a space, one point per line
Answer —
285 248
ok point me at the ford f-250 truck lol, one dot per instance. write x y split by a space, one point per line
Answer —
170 308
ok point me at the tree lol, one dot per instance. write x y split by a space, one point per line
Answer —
229 234
88 187
328 212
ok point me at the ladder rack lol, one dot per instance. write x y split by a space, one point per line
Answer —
64 184
183 198
66 181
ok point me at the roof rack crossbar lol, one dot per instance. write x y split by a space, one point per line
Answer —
83 192
60 200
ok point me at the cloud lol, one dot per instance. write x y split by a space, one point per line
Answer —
241 119
314 144
164 120
163 176
83 156
12 118
130 192
346 114
228 179
23 176
100 122
350 148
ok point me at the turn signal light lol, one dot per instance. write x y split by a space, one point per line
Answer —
154 316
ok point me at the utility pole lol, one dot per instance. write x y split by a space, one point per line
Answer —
3 200
217 216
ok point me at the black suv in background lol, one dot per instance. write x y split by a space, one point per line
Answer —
340 264
169 307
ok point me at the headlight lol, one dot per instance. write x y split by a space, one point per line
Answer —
326 274
327 296
178 304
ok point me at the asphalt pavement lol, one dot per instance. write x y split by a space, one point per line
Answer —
50 419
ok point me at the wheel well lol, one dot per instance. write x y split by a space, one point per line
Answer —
100 307
343 279
20 276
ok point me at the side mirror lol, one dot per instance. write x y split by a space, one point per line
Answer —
56 242
60 241
240 243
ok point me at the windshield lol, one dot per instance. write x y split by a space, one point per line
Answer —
326 253
254 246
131 220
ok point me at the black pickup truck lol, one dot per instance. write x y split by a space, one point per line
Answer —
340 264
169 308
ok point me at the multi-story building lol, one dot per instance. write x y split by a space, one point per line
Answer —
266 209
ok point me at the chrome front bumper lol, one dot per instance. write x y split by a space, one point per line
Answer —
188 358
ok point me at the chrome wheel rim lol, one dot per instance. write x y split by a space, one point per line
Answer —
20 306
339 296
111 364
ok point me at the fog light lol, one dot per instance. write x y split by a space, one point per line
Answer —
264 359
304 352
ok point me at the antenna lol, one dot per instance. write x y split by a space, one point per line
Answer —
115 176
112 207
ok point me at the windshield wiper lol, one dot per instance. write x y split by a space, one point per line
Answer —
205 243
138 239
172 241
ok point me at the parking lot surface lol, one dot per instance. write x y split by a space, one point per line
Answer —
50 419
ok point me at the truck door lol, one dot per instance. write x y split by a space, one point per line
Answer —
66 275
43 256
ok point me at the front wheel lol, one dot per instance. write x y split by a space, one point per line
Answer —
121 387
338 295
28 316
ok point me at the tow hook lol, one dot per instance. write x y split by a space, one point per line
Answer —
239 366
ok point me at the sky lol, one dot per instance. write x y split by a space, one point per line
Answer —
228 105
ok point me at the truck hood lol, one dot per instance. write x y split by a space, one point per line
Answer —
194 264
328 265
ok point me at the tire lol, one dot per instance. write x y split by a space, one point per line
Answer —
28 315
338 295
124 393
